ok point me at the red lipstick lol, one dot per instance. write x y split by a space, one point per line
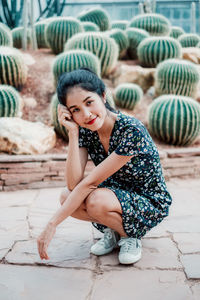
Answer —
92 121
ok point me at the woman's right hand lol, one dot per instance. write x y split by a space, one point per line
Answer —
65 118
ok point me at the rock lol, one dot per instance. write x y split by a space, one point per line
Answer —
144 77
30 102
28 59
23 137
192 54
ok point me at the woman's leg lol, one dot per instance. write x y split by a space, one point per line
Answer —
103 205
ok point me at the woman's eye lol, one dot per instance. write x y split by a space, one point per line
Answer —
89 102
75 109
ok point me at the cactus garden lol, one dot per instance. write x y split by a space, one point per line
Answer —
151 69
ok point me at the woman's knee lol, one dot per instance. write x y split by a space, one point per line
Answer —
95 203
64 195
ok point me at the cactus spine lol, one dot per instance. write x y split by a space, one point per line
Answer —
10 102
98 16
121 24
17 34
135 36
89 26
176 32
189 40
127 95
5 36
121 39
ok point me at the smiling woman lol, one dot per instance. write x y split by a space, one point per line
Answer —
125 195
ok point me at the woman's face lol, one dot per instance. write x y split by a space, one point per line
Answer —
87 108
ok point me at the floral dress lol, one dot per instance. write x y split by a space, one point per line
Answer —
139 185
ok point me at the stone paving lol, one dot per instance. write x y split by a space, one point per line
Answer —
169 268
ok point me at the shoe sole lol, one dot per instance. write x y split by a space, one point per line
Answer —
138 257
107 252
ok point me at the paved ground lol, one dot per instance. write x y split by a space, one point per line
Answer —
169 268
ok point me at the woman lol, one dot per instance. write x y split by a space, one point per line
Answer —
125 195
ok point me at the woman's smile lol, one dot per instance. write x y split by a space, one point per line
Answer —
92 121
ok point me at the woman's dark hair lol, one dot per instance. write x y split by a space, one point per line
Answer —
83 78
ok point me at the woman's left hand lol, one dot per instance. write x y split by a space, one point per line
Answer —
44 239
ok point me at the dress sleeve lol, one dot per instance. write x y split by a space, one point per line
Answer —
135 141
82 137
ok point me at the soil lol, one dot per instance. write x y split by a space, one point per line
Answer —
40 86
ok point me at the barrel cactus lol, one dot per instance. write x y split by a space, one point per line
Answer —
155 24
174 119
121 39
98 16
11 103
127 95
13 70
99 44
153 50
176 31
40 28
59 30
189 40
17 35
5 35
89 26
61 130
109 98
176 76
135 36
121 24
198 45
75 59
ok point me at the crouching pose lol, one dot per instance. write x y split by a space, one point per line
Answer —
125 195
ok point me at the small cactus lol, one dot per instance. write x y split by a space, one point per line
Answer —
17 35
59 30
189 40
5 36
121 24
177 76
155 24
75 59
40 28
121 39
10 102
153 50
98 16
174 119
176 32
104 47
135 36
127 95
89 26
13 70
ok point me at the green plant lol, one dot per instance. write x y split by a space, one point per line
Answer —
5 36
135 36
104 47
13 70
153 50
177 76
99 16
61 29
127 95
89 26
75 59
17 34
120 24
174 119
10 102
121 39
40 28
176 31
155 24
189 40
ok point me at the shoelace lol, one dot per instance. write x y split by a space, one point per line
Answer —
128 244
107 236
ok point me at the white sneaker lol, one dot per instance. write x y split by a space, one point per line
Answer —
130 250
107 243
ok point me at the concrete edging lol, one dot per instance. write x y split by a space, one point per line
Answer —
47 170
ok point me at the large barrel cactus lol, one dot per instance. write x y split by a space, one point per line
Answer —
120 24
153 50
127 95
75 59
99 44
59 30
13 70
5 36
176 31
135 36
98 16
155 24
89 26
11 103
177 76
61 130
121 39
17 35
40 28
174 119
189 40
